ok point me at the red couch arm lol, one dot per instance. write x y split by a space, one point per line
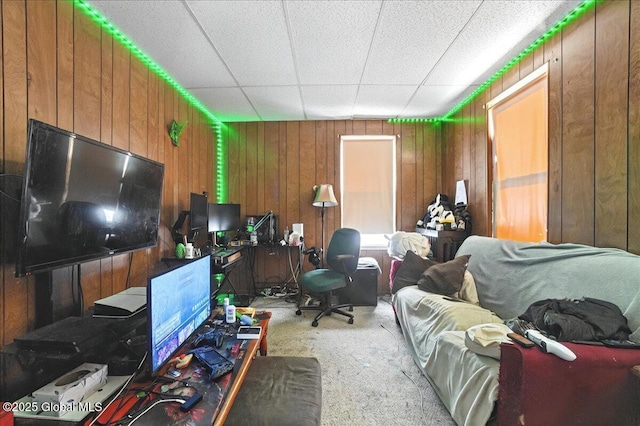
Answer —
597 388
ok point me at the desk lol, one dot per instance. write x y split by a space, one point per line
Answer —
220 265
218 396
275 265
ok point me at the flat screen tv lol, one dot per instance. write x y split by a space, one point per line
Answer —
83 200
198 212
178 302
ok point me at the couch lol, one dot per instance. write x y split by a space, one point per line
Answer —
525 386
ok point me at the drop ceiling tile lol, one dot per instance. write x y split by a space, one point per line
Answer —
329 102
166 32
331 39
276 103
434 101
477 53
228 104
382 101
251 37
411 37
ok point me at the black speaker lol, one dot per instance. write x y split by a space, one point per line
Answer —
266 234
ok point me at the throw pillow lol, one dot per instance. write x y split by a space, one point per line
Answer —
410 271
468 291
444 278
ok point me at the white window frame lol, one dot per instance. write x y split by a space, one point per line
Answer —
371 241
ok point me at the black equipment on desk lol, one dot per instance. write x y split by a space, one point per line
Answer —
266 227
226 256
198 220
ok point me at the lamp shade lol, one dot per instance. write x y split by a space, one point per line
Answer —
324 196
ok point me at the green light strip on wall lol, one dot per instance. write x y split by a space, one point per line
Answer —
104 23
221 167
571 16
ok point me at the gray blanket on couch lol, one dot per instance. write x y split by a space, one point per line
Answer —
509 276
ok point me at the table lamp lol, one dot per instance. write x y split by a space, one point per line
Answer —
324 198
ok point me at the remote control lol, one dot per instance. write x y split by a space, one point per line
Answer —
628 344
550 346
521 340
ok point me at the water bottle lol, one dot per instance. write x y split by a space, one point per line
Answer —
254 237
230 314
245 319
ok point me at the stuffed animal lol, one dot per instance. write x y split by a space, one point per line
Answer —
439 211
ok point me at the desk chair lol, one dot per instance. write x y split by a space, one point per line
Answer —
342 259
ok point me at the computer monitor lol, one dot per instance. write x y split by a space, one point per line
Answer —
178 302
198 212
224 217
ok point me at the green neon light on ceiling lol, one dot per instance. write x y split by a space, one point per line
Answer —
103 22
571 16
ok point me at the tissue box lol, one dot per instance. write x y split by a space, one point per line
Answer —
68 391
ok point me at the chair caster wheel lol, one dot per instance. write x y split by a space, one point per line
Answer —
350 308
298 312
350 320
314 323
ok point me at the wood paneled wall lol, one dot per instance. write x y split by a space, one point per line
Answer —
274 166
594 131
59 67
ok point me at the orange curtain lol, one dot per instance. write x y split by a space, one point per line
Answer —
518 132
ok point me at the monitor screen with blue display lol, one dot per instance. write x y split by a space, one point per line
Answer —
178 302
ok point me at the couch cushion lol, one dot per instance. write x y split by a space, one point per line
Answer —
468 291
423 316
410 270
466 382
444 278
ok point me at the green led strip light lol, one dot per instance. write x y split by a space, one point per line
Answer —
104 23
571 16
221 167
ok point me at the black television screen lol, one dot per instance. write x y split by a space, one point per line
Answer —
224 217
178 302
198 212
83 200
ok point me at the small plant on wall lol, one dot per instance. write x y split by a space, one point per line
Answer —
175 130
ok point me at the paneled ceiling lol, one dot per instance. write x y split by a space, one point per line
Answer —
266 60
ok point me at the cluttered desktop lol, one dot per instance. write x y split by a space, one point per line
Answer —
194 354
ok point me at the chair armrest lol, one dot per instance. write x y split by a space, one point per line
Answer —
596 388
342 258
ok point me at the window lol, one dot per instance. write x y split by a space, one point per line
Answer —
518 136
368 187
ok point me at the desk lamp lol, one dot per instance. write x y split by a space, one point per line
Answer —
324 198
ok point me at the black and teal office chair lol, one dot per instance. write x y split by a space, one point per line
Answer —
342 259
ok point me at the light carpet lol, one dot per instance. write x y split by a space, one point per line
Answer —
368 375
